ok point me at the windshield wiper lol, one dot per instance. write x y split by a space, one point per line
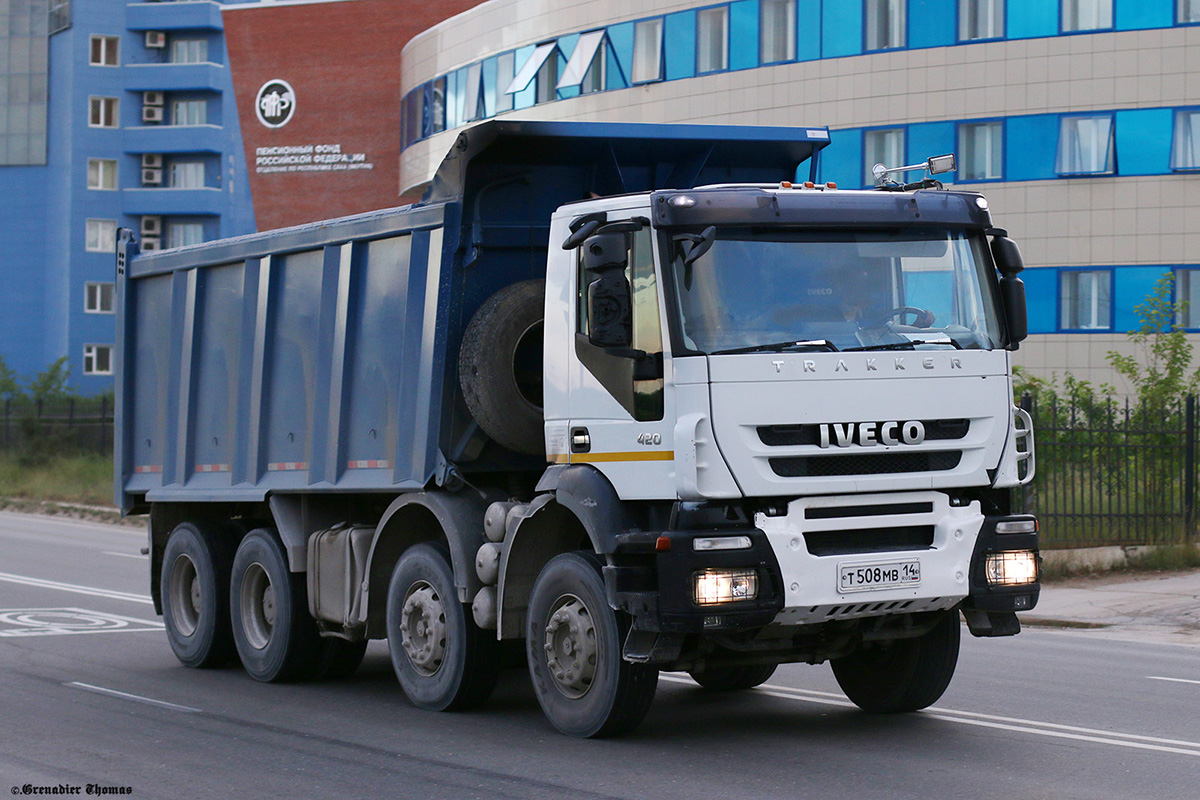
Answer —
779 347
909 345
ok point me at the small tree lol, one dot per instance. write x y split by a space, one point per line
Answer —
51 384
9 388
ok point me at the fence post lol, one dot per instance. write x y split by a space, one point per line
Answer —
1189 466
103 424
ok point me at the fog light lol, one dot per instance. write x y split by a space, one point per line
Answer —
1017 526
714 586
1012 569
721 543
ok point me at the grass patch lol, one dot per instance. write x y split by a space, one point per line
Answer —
1167 558
86 480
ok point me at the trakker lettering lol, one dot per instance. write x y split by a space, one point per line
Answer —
869 434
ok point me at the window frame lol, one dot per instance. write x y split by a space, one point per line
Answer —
961 128
790 27
899 6
974 4
108 118
1072 274
104 40
867 176
1110 169
1062 17
101 172
1193 6
98 289
640 25
700 45
1177 137
177 168
181 226
1193 311
98 224
188 104
187 44
91 353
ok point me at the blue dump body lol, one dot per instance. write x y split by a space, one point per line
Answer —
323 358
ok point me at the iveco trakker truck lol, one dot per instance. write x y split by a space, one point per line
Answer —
640 397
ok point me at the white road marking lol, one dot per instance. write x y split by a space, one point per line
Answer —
71 587
127 555
137 698
1016 724
1173 680
34 622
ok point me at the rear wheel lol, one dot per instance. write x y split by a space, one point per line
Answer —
903 675
732 679
276 637
195 595
573 643
442 659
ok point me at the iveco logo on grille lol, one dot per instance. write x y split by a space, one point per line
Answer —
869 434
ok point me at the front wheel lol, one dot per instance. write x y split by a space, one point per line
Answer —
573 644
902 675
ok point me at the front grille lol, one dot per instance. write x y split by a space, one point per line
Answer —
881 464
796 435
842 512
869 540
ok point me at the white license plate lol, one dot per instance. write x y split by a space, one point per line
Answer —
887 575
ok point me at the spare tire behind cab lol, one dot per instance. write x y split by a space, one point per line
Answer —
500 366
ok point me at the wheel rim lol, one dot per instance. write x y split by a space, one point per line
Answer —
186 595
572 651
423 628
258 606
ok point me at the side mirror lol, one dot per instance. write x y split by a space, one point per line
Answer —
1008 260
609 297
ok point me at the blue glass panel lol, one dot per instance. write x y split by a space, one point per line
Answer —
743 34
1144 141
489 87
679 38
1027 19
841 28
528 96
1143 14
621 39
808 33
1041 298
1132 285
1034 159
841 161
931 23
929 139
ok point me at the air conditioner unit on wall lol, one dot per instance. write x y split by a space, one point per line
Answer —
151 160
151 177
156 40
152 113
151 225
152 98
151 243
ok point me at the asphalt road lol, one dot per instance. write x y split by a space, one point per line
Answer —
93 695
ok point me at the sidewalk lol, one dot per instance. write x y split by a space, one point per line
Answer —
1166 605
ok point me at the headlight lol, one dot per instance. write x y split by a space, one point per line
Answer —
1012 569
712 586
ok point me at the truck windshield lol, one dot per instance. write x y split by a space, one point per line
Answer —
760 289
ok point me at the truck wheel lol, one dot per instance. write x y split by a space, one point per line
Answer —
500 367
573 644
902 675
339 658
276 638
443 660
733 679
195 595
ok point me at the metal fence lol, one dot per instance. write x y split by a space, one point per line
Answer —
1113 474
63 427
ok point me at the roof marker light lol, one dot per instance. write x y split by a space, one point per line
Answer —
682 201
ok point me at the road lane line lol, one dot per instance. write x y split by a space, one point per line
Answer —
126 555
1051 729
71 587
137 698
1173 680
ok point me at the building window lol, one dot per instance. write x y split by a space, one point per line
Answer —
712 39
1185 154
647 50
105 51
547 77
1085 146
98 298
981 150
884 24
102 173
189 112
97 359
101 236
189 51
777 31
1189 11
1086 299
187 175
1086 15
102 112
1187 298
882 147
60 15
181 234
980 19
596 77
